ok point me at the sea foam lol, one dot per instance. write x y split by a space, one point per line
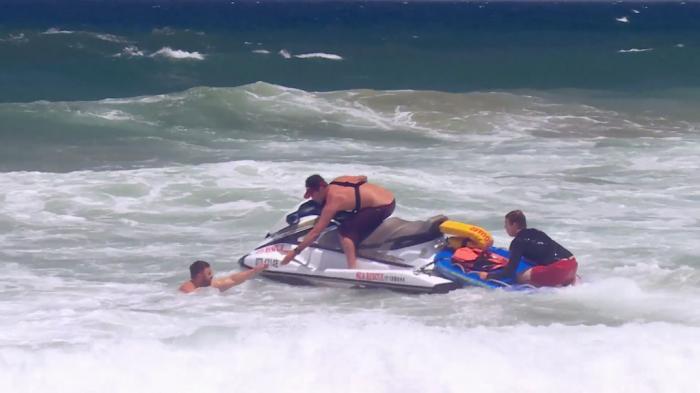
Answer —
635 50
177 54
55 30
130 51
327 56
394 353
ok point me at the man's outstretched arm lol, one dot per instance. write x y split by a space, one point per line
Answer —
236 278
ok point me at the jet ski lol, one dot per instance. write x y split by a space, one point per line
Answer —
398 255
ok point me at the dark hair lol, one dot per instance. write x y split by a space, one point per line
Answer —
197 267
517 217
313 182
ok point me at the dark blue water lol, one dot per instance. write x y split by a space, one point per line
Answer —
457 47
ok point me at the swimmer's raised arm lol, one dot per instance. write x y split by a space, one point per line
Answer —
234 279
202 276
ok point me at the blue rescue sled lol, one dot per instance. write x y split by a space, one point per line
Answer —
452 271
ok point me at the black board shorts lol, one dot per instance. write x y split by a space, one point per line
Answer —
365 221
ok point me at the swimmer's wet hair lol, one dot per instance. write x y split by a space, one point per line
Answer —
197 266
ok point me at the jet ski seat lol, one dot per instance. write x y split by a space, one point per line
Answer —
393 233
396 233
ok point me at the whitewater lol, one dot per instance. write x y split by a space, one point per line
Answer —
137 137
107 202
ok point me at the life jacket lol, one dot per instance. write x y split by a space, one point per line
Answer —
471 258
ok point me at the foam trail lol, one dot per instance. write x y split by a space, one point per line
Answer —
285 53
113 115
177 54
16 38
109 37
130 51
327 56
54 30
635 50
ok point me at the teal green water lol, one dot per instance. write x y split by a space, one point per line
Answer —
97 50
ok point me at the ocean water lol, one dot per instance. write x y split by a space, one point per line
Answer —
138 137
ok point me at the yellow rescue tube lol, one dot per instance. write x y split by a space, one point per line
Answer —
477 236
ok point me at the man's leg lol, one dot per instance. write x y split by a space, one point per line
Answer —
525 277
355 229
348 245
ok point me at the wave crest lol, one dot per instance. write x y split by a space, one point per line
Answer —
177 54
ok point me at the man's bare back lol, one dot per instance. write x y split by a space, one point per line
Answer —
371 195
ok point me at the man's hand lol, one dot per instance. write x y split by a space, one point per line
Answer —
288 258
483 275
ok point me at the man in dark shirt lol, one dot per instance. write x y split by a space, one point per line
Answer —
553 264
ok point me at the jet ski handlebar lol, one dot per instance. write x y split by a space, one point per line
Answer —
311 208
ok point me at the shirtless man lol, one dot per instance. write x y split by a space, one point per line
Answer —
201 276
369 204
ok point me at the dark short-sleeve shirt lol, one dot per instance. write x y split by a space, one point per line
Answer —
536 247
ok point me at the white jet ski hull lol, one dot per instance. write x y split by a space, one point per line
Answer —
398 255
